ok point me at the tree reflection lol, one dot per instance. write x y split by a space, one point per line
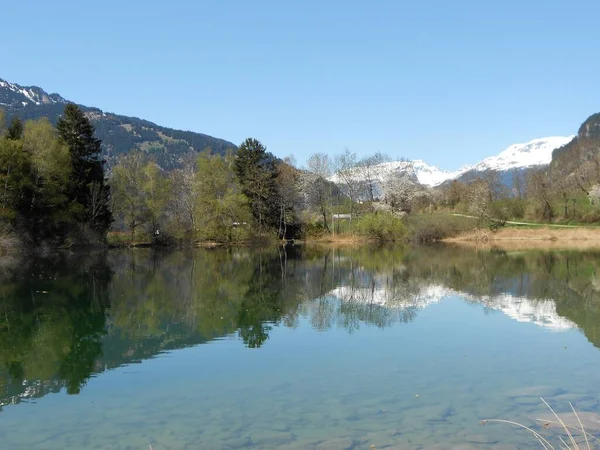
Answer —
64 319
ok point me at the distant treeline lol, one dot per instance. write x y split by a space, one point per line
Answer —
54 188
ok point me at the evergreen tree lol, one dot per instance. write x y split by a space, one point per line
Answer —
88 188
2 122
15 130
256 170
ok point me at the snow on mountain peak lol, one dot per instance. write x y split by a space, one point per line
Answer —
14 93
537 152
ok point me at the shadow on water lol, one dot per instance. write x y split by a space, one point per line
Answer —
66 319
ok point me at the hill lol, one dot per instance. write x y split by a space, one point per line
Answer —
582 154
119 134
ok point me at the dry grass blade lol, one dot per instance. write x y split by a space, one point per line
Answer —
552 422
547 445
562 443
571 438
581 425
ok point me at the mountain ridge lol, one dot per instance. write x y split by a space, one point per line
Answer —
534 153
120 134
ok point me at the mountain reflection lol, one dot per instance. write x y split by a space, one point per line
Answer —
65 319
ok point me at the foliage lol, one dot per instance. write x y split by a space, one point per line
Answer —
88 188
383 226
15 130
426 228
223 210
256 171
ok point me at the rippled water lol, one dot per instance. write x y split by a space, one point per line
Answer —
297 349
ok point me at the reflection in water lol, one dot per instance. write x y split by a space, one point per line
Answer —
64 320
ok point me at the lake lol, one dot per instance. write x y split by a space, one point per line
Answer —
296 348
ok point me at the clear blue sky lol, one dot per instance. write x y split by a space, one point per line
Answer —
449 82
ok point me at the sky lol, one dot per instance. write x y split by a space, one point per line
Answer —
447 82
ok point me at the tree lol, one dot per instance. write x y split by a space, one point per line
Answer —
519 184
495 188
539 189
479 199
156 194
256 172
288 194
127 188
399 191
77 132
317 189
14 178
369 169
347 174
2 122
594 195
223 210
456 193
46 208
15 130
182 204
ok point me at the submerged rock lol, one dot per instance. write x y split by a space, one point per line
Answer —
337 444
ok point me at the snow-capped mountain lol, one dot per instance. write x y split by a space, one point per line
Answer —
14 95
540 312
424 173
537 152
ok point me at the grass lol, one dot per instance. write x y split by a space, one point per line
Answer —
573 434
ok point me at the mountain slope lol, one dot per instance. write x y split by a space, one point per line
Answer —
517 157
119 134
582 151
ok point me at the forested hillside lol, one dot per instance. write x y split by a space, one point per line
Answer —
119 134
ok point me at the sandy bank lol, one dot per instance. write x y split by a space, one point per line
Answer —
543 237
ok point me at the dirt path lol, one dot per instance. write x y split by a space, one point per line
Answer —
510 222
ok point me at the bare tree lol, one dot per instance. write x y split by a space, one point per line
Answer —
539 189
519 184
369 169
317 189
183 204
495 187
456 193
348 177
287 193
98 198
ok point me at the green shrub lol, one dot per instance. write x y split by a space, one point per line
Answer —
383 226
424 228
313 230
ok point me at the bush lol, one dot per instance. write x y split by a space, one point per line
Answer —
432 228
313 230
384 227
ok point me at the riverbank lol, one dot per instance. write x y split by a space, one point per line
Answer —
542 237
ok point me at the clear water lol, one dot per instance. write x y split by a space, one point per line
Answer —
298 349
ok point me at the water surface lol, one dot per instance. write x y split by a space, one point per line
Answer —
295 349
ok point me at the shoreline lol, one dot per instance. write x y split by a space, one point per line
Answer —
543 237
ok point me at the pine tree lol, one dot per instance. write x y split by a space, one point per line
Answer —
256 170
88 189
15 130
